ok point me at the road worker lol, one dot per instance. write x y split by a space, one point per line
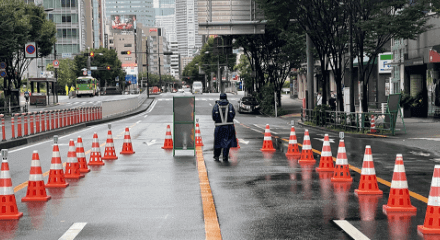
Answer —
223 114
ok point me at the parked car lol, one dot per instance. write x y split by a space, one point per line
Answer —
248 104
197 87
180 90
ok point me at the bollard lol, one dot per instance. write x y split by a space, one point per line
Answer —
43 121
61 118
373 124
56 118
80 114
93 113
3 127
47 113
77 115
26 132
18 116
65 117
100 112
52 120
13 126
96 113
37 122
31 122
72 114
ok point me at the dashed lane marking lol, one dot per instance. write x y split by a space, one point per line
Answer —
73 231
351 230
212 227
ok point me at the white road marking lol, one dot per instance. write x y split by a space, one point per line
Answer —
152 106
430 139
265 129
235 120
151 142
243 141
210 104
256 130
73 231
350 230
322 139
138 121
145 116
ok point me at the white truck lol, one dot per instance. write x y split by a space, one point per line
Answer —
197 87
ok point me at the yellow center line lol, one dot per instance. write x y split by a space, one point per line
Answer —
25 184
380 180
212 227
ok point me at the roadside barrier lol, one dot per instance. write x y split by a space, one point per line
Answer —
48 120
198 136
8 203
109 152
13 127
3 127
31 122
26 130
18 116
326 160
36 192
342 171
127 146
432 217
52 119
267 142
43 121
72 164
168 143
399 200
95 154
56 174
81 155
292 149
368 183
37 122
306 153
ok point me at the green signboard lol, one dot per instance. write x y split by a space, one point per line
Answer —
183 122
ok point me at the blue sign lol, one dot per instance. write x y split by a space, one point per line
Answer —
131 78
240 86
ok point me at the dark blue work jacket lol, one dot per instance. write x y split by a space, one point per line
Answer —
224 133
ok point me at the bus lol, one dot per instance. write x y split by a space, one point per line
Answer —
86 86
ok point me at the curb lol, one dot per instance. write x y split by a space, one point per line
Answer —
345 133
49 134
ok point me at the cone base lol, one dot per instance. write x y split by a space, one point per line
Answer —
126 153
293 154
167 147
74 176
368 192
56 185
200 145
427 231
11 216
36 199
84 170
388 209
96 163
109 158
323 169
333 179
306 161
268 149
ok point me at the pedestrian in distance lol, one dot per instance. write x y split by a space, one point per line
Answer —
223 114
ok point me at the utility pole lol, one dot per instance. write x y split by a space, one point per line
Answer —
310 68
352 108
158 57
55 86
146 53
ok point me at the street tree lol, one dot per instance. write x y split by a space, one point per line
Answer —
245 71
22 23
66 73
103 58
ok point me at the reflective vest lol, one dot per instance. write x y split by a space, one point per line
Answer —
225 117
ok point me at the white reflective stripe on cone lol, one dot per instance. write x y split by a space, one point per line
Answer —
6 191
399 184
36 177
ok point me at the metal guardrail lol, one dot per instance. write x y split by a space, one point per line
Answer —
116 107
370 122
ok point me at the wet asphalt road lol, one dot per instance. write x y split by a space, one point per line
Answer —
153 195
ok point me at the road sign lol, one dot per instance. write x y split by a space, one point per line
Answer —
66 55
30 50
85 73
89 73
2 65
2 73
56 63
93 68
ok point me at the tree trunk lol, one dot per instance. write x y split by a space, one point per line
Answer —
364 98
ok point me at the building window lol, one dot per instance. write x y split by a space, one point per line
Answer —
66 18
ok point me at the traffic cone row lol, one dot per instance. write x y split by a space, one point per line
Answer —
292 149
8 203
109 153
127 147
326 161
267 143
36 192
307 153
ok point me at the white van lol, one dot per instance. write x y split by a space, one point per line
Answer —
197 87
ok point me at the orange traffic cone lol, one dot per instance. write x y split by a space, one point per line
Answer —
8 204
326 160
83 167
306 153
127 147
292 149
267 143
95 154
432 217
36 192
236 138
198 136
56 175
72 164
399 200
341 172
109 153
168 144
368 183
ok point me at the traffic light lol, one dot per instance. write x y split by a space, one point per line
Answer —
90 54
126 52
108 68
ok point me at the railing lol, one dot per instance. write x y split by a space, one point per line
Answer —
117 107
369 122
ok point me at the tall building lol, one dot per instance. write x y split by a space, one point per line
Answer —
187 27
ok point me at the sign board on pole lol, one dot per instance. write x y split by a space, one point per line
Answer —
30 50
66 55
89 73
93 68
183 123
56 63
384 63
85 73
